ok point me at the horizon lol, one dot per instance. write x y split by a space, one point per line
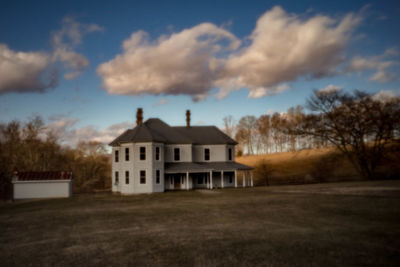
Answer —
85 70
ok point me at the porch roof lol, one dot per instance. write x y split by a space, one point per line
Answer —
227 166
183 167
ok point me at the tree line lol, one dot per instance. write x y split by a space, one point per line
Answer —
363 127
31 147
269 133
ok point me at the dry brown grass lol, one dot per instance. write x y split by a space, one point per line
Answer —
304 166
331 224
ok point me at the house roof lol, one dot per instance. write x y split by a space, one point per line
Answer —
33 176
227 166
185 167
205 135
182 167
155 130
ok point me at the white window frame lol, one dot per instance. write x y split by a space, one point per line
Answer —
140 176
158 173
209 154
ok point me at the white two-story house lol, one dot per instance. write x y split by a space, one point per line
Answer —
154 157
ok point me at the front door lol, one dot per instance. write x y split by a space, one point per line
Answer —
177 182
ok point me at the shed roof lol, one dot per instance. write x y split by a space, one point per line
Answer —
48 175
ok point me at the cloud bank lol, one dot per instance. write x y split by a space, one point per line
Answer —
182 63
282 48
66 40
380 64
65 129
285 47
23 72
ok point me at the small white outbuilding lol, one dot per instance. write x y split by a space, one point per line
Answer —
42 185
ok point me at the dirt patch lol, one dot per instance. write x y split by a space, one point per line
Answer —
207 192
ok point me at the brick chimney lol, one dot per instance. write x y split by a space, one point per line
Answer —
188 118
139 116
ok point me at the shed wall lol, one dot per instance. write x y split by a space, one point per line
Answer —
42 189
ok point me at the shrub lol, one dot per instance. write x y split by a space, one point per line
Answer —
262 172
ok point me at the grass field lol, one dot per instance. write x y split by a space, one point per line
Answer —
334 224
314 165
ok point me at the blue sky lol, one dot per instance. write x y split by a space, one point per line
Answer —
67 61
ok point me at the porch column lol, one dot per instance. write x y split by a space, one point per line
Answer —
222 179
251 177
211 184
235 178
187 180
244 179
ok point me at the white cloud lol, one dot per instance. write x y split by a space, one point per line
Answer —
36 71
285 47
384 96
330 89
380 64
272 90
180 63
160 103
65 41
65 129
25 71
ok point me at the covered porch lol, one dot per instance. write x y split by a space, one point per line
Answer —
188 175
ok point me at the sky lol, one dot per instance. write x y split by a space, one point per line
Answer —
85 68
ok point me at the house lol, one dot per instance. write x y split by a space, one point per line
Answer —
155 157
42 184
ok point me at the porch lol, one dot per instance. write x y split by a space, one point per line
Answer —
187 176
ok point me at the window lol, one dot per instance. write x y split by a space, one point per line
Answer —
116 178
142 177
230 153
116 155
206 154
142 153
127 154
157 153
177 153
157 176
126 177
200 180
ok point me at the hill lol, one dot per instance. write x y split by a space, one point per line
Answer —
309 166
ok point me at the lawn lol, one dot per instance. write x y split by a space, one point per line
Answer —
336 224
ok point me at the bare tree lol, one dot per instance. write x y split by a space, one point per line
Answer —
24 147
229 126
264 130
246 132
356 124
278 124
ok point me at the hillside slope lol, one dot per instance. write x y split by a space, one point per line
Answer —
306 166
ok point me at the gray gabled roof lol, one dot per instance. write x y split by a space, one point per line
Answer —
155 130
205 135
152 130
